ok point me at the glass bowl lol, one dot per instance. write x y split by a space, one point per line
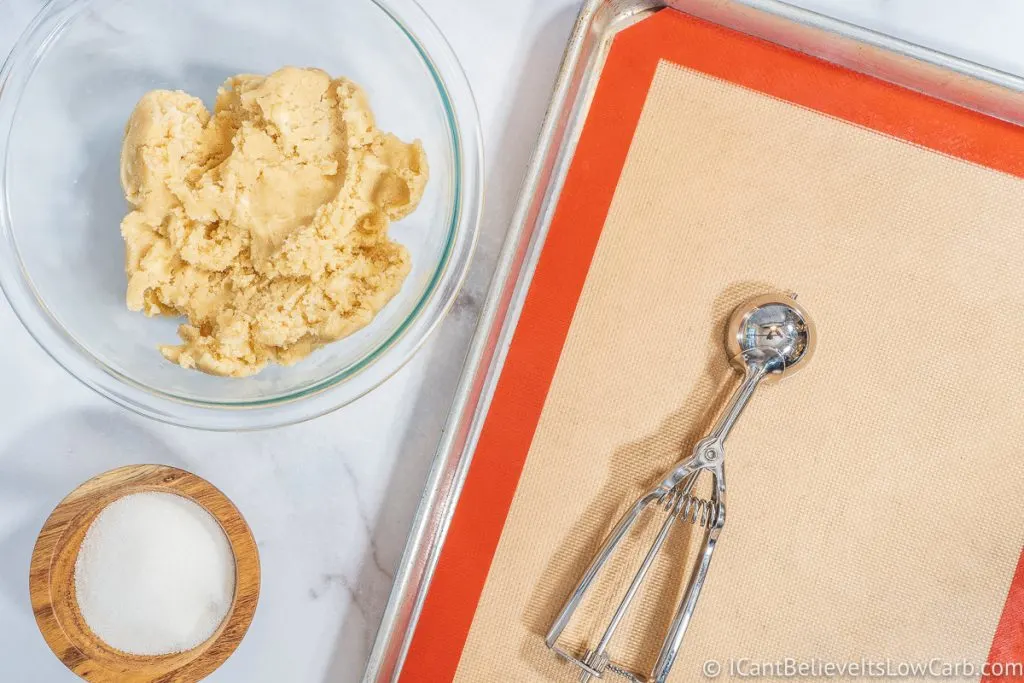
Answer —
66 92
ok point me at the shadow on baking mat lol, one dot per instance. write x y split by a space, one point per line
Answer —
632 469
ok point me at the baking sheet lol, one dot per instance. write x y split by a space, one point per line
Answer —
598 22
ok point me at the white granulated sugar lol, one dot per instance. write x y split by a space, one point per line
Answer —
155 574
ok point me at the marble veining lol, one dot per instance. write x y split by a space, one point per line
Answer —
331 501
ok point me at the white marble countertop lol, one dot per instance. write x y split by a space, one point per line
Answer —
330 501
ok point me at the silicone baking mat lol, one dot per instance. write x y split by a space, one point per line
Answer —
875 511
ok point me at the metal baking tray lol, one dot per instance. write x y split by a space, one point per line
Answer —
948 78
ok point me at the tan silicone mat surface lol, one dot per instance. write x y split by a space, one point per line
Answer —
875 498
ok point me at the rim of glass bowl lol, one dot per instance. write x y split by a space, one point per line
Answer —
330 393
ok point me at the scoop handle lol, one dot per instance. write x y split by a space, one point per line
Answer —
756 371
709 451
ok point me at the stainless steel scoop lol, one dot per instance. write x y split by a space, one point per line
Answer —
767 338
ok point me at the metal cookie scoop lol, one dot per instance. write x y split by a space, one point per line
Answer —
767 338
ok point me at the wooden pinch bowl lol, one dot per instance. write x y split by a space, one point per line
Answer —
52 580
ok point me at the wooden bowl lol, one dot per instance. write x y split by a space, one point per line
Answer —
52 580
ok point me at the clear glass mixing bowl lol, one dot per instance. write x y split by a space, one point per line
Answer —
66 91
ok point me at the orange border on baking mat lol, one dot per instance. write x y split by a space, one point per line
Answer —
576 227
1008 643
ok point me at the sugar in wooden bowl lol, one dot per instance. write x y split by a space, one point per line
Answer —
144 573
155 574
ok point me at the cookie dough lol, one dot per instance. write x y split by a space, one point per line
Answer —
264 223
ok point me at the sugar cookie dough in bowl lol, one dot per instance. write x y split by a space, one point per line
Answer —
236 215
266 223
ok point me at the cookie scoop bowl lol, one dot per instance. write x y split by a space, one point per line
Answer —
66 92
